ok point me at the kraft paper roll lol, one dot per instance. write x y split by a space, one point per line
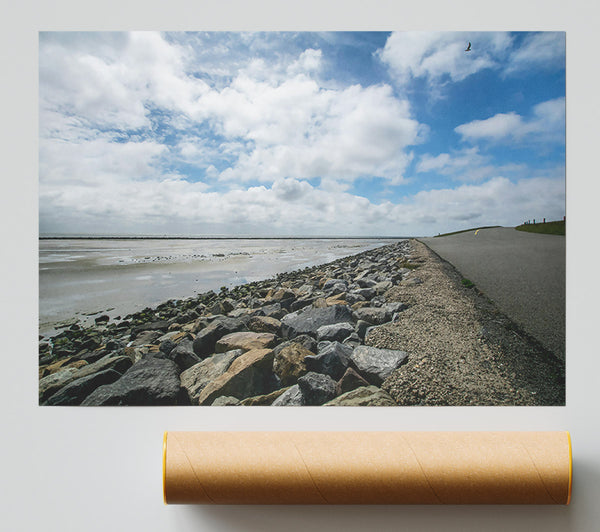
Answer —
367 468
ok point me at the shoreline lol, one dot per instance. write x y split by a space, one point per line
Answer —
328 334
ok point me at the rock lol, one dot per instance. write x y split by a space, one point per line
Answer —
375 364
206 339
50 384
265 324
248 375
151 381
375 316
120 364
76 391
309 320
196 378
289 364
101 319
333 359
382 287
335 283
335 332
166 346
363 396
350 381
183 355
160 325
263 400
306 341
362 327
145 338
367 293
316 388
396 306
226 400
339 299
292 397
274 311
222 307
245 341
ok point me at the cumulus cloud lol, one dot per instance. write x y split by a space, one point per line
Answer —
438 56
180 206
547 122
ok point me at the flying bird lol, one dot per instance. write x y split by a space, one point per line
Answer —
468 48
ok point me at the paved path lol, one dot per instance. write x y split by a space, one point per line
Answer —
523 273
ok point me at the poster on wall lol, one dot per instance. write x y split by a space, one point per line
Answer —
301 218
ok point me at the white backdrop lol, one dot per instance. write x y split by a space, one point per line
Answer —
100 469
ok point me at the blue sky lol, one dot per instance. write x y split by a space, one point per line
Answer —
267 134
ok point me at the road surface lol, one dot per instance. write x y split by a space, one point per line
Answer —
523 273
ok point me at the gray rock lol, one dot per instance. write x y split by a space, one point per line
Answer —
332 283
396 306
335 332
206 339
366 293
195 379
226 400
375 364
332 360
50 384
151 381
292 397
75 392
361 328
363 396
183 355
316 388
375 316
118 363
382 287
309 320
145 338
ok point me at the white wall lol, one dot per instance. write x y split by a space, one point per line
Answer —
81 469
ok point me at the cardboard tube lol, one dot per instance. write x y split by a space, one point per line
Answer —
367 468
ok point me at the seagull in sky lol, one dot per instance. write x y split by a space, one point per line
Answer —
468 48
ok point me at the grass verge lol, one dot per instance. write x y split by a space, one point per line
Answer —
549 228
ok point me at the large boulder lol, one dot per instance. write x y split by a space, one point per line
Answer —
183 355
265 324
335 332
376 364
333 359
250 374
289 364
206 339
246 341
50 384
316 388
372 315
308 321
363 396
118 363
75 392
263 400
151 381
196 378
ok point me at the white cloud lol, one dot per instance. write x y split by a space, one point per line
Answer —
546 123
440 55
545 49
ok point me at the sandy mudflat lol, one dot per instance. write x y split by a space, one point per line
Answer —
81 278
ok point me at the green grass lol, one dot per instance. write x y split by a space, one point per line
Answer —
549 228
467 283
467 230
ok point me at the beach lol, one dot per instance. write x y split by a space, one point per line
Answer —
84 277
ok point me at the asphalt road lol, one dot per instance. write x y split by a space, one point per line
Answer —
523 273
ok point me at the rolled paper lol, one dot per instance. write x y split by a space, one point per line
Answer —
367 467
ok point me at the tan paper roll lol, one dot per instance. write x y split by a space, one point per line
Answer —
367 467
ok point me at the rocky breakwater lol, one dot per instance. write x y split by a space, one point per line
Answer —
301 338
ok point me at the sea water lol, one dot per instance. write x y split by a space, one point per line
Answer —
82 278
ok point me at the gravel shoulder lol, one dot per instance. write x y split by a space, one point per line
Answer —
462 350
